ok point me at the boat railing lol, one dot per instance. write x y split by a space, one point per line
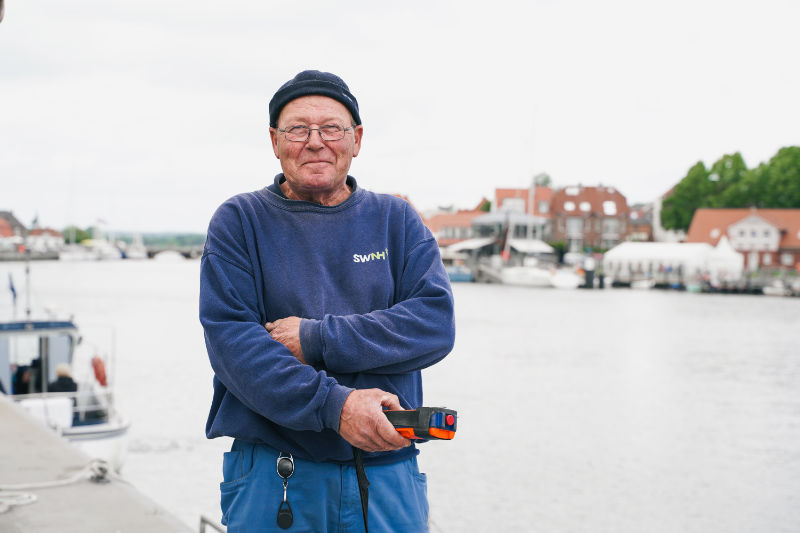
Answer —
87 406
213 525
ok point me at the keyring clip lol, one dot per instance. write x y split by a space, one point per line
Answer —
285 465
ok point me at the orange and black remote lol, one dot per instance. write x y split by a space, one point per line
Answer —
425 423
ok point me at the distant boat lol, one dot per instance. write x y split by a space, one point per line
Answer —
776 288
76 252
539 276
459 273
103 249
31 352
135 250
455 263
90 250
564 278
643 284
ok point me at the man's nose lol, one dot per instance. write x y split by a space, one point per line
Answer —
314 138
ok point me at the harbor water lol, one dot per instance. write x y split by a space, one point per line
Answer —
610 410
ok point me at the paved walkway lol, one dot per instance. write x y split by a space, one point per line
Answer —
31 454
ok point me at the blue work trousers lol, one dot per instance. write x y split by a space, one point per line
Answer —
324 497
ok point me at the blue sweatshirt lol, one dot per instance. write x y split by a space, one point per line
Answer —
367 280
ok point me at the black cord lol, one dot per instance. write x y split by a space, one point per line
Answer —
363 483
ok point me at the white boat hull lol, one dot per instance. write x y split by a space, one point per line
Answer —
108 441
532 276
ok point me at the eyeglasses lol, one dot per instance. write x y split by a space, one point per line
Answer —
329 132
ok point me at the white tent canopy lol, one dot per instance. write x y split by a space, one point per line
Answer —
664 253
470 244
724 262
694 259
530 246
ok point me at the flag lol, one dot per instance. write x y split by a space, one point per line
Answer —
11 288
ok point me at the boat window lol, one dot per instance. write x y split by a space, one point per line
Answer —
25 351
22 349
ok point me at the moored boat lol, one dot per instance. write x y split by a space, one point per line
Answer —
66 388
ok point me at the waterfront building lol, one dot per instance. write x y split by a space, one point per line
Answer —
589 217
45 240
767 238
640 223
452 227
12 233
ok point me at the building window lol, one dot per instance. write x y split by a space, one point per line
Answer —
544 207
609 208
574 226
787 259
766 259
610 227
569 206
514 205
574 245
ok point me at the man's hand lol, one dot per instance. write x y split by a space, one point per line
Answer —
287 332
364 425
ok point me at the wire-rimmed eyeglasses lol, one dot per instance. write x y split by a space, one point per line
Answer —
329 132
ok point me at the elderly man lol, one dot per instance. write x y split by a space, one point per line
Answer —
321 302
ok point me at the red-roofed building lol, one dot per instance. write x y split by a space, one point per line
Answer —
519 200
589 216
45 240
10 222
640 223
5 229
768 238
450 228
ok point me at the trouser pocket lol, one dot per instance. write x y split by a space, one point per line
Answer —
237 469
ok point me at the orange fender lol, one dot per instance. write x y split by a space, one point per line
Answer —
99 370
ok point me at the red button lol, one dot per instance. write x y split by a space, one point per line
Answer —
450 420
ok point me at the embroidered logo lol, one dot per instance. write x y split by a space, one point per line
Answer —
373 256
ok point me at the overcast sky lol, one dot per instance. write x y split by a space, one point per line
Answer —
147 114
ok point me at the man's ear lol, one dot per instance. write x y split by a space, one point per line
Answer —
358 132
273 136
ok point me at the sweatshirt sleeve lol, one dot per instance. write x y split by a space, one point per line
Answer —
259 371
416 332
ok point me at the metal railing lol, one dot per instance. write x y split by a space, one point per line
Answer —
213 525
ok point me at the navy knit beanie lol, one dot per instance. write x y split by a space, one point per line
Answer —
313 82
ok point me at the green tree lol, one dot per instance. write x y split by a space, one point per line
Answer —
782 179
691 193
76 234
730 184
726 174
748 191
559 248
542 180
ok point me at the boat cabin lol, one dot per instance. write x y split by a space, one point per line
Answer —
30 351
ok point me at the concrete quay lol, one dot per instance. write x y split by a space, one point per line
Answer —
46 486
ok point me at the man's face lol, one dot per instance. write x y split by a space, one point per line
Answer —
315 167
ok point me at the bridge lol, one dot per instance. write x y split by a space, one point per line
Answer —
189 252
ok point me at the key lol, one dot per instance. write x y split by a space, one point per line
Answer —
285 468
